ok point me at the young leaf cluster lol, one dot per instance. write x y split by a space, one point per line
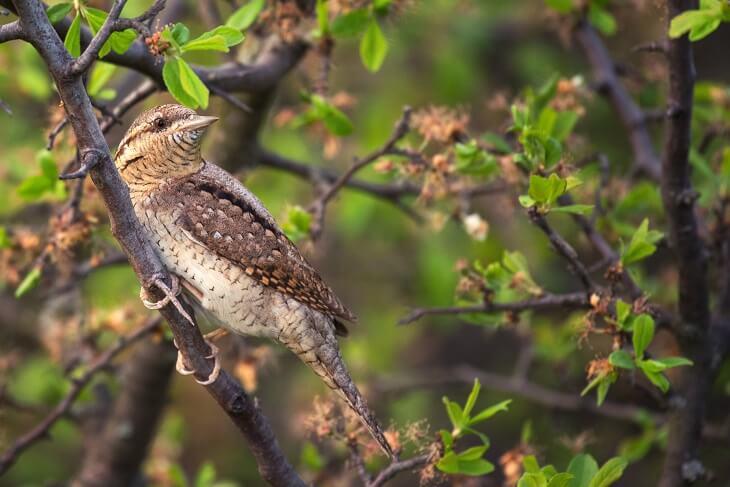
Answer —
541 129
506 280
470 461
321 110
543 193
118 42
297 223
642 244
642 330
701 22
359 23
35 187
180 79
582 471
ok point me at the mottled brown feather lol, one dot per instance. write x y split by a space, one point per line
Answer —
233 229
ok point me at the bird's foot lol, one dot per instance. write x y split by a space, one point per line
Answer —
183 370
171 293
215 335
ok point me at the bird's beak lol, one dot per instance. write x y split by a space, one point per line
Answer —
197 123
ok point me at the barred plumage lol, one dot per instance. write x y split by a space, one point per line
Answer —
232 257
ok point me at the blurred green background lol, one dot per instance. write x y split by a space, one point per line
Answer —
462 54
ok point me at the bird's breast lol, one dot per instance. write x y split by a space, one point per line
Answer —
220 286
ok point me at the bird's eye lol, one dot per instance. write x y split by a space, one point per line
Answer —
160 123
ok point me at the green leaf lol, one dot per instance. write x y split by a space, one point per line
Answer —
48 165
180 33
33 187
471 159
670 362
656 378
449 463
297 223
560 480
211 40
574 209
643 334
456 415
530 464
373 47
119 41
351 24
447 439
564 125
72 42
489 412
497 142
532 480
546 191
323 17
335 121
171 77
621 358
472 399
583 468
623 311
472 453
475 468
641 244
211 43
205 476
609 473
192 84
100 75
58 11
601 19
526 201
30 281
245 16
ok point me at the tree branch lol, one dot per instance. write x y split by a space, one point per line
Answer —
609 84
11 32
92 50
681 462
548 301
41 431
113 458
241 409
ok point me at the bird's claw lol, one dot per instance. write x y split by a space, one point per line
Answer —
183 370
171 294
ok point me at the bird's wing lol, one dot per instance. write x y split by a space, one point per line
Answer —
220 213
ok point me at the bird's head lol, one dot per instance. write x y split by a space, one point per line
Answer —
161 144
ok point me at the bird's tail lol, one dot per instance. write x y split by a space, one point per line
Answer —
330 366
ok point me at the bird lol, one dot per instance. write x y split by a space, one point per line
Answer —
233 261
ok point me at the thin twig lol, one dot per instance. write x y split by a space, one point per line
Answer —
563 248
398 467
41 431
548 301
318 207
55 132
